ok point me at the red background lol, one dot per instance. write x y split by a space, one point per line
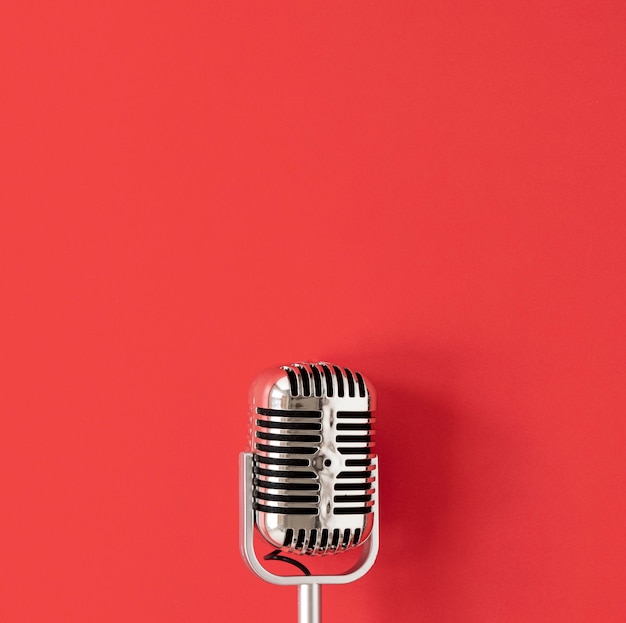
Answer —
431 193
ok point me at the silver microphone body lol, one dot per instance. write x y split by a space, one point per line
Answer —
313 462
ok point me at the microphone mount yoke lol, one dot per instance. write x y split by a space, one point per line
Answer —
309 587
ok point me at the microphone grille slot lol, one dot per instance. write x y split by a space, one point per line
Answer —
288 537
339 378
350 380
306 381
361 383
293 380
317 380
301 536
328 376
324 539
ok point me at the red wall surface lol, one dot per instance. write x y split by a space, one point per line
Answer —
431 193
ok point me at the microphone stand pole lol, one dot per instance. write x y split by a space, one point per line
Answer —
309 603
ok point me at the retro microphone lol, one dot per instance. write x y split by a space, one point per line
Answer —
309 482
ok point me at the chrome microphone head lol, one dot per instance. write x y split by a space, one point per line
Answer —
312 448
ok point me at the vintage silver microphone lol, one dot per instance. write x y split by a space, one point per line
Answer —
309 482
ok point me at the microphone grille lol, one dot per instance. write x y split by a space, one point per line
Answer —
312 444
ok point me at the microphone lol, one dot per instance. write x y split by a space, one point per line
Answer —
309 480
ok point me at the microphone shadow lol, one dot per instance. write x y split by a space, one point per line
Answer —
414 433
422 425
415 426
